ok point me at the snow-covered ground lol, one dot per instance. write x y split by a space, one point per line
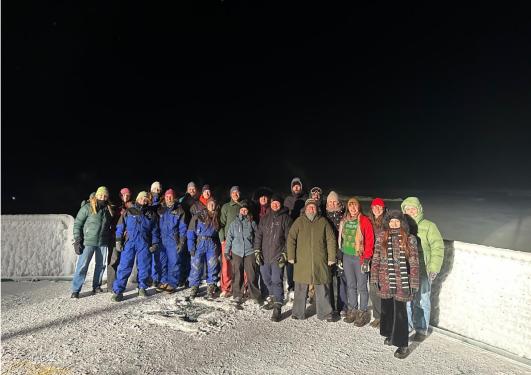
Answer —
44 331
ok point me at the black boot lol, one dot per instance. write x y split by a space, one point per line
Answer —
402 352
270 303
74 295
277 312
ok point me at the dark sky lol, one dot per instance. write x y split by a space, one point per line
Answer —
359 98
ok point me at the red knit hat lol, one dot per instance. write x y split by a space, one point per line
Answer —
377 202
125 191
169 192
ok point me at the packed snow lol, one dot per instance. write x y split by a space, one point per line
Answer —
45 331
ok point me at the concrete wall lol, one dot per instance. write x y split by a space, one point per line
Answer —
482 293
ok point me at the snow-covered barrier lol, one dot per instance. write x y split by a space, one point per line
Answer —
37 245
484 293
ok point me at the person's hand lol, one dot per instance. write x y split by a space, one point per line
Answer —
228 257
259 257
282 259
153 248
292 261
432 275
331 263
119 246
78 246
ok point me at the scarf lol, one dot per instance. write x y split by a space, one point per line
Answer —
396 255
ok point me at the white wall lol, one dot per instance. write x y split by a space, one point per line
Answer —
37 245
484 293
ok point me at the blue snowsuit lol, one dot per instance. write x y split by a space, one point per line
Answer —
141 225
203 243
173 236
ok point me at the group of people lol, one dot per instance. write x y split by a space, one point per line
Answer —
330 254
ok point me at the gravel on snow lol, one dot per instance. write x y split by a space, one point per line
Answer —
45 331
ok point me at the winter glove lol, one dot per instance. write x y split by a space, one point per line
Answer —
153 247
119 247
282 259
365 267
78 246
180 244
432 276
228 257
259 257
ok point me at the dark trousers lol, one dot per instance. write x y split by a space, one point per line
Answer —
322 301
248 265
289 271
114 261
375 301
393 322
273 277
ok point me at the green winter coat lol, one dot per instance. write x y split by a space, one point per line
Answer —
94 225
431 241
229 212
312 244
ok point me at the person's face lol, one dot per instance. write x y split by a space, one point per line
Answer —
206 194
316 195
377 210
211 206
275 206
192 191
411 211
353 208
156 190
244 211
126 197
143 201
102 196
394 224
296 188
235 195
169 199
333 204
263 200
311 209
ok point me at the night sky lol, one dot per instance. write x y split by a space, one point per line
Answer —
362 99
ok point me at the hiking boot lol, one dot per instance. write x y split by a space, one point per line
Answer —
419 337
375 323
142 292
387 341
117 297
161 288
193 291
225 294
330 318
277 312
237 300
269 304
211 289
352 315
169 289
364 317
74 295
97 290
402 352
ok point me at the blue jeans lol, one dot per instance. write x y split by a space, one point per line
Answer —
273 277
82 266
356 283
418 310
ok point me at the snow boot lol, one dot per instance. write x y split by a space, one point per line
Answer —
402 352
277 312
74 295
210 291
142 292
352 316
98 290
161 288
169 289
364 317
270 303
193 291
117 297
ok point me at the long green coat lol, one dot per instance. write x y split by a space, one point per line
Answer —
312 244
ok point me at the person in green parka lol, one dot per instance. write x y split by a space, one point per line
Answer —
312 249
92 236
431 255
